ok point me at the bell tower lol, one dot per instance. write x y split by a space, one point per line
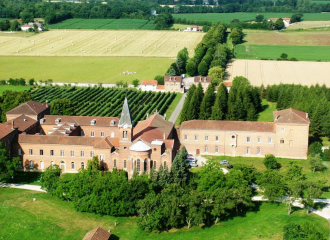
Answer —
125 124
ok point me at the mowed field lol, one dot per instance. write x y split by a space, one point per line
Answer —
227 17
100 43
321 25
275 72
83 69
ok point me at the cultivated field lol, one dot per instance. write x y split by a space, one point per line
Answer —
276 72
101 43
304 38
77 23
227 17
83 69
322 25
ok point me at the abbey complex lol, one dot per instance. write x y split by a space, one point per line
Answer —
41 139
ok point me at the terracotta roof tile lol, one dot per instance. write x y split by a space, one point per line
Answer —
160 87
97 234
229 125
80 120
5 129
29 108
149 82
22 122
290 116
227 84
107 143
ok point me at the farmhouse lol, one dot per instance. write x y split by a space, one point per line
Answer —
70 141
286 21
286 137
151 85
26 27
173 84
193 28
205 81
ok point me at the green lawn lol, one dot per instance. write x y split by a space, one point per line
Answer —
173 105
267 114
12 88
83 69
227 17
302 53
49 218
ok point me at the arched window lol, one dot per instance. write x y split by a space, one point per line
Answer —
82 165
217 149
31 164
125 164
115 163
138 165
164 164
155 167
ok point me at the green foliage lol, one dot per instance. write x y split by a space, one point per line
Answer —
312 190
160 79
194 104
296 17
236 36
202 68
136 82
259 18
50 178
191 67
217 73
62 107
93 164
315 149
326 155
219 110
26 16
273 184
179 168
316 165
184 111
270 162
163 21
284 56
182 59
279 24
207 103
8 164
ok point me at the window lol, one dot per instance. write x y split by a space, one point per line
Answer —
30 152
102 157
206 138
206 149
82 154
51 152
82 133
92 133
31 164
82 165
196 137
20 152
248 139
41 152
258 151
112 123
102 134
125 164
125 134
72 165
259 139
164 164
41 165
62 153
216 149
216 138
115 163
282 129
185 137
72 153
269 140
248 151
155 167
112 134
138 165
282 140
92 153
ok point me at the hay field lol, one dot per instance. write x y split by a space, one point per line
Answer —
276 72
295 38
101 43
309 25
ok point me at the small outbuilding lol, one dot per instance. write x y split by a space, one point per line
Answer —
97 234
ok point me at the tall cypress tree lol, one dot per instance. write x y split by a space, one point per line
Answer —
194 105
207 103
179 168
184 111
315 127
219 109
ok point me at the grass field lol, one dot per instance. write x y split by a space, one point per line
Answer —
267 114
77 23
83 69
310 25
49 218
227 17
101 43
173 105
12 88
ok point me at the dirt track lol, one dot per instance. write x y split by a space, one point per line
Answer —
276 72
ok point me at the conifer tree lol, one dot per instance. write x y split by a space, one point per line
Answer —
184 111
194 105
179 168
315 127
207 103
219 109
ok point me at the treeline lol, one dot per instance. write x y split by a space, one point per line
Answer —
243 102
163 199
314 100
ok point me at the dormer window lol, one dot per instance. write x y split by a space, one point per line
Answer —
58 120
112 123
42 120
93 122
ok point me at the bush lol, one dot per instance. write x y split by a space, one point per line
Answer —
271 163
326 155
160 79
315 149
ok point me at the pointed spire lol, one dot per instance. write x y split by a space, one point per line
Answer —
125 117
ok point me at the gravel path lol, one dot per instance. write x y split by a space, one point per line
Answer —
22 186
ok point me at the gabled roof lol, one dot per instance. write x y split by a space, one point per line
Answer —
139 146
172 78
22 122
160 87
29 108
125 117
229 125
290 116
107 143
5 129
152 128
202 79
80 120
149 82
97 234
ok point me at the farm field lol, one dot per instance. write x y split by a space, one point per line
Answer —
101 43
12 88
275 72
76 23
95 101
83 69
320 25
227 17
304 38
273 52
50 218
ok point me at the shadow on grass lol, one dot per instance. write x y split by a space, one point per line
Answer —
319 205
25 177
114 237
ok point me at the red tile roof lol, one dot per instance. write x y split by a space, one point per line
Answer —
290 116
22 122
149 82
29 108
5 129
152 128
202 79
229 125
227 84
97 234
80 120
160 87
172 78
